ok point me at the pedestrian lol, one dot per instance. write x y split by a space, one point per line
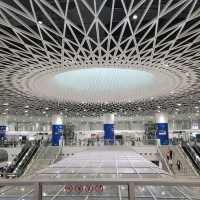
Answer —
170 163
167 155
179 165
171 154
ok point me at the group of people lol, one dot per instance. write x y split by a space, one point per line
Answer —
170 156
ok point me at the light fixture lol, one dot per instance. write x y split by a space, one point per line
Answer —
178 104
196 107
46 108
26 111
27 106
135 17
40 22
5 104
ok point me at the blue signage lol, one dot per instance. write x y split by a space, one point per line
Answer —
57 131
2 132
162 133
109 133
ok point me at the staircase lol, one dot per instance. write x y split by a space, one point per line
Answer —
46 155
178 154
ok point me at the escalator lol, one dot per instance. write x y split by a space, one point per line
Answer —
10 169
197 149
20 163
19 170
194 157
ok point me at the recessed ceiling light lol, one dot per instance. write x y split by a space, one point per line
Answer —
196 107
40 22
46 108
5 104
178 104
27 106
26 111
177 109
135 17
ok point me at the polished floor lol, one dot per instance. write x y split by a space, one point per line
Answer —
102 162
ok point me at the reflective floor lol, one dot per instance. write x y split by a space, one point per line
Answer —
102 162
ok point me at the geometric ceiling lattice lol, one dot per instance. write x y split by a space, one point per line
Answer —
40 39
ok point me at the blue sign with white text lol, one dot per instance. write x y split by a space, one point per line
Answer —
109 133
57 131
162 133
2 132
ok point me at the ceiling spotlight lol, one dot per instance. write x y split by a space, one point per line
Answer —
151 98
6 109
26 111
135 17
27 106
46 108
196 107
178 104
5 104
40 22
177 109
44 112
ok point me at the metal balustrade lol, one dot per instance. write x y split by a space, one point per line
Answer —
131 183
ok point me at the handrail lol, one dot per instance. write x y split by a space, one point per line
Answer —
38 184
168 168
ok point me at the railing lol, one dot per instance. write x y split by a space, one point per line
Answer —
102 142
131 183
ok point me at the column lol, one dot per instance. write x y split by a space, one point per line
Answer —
57 130
162 128
109 135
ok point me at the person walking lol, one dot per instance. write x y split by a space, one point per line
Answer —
179 165
171 164
170 154
167 156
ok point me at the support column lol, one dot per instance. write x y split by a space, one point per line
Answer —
109 135
57 130
162 128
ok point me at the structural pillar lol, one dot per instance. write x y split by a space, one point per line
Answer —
162 128
57 130
109 135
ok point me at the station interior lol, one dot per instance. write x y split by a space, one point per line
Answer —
99 99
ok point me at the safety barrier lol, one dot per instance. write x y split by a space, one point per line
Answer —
131 183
